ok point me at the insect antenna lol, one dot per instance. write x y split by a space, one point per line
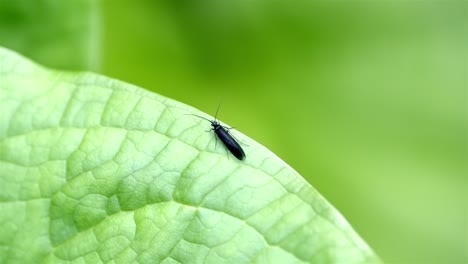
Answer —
217 109
200 117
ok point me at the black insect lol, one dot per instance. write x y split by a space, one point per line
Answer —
223 134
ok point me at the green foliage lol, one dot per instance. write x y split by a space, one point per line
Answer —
59 34
94 170
366 99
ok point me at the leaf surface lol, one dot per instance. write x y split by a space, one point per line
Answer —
94 170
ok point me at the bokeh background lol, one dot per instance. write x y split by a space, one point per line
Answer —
367 100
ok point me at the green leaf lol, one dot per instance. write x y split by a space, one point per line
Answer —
60 34
93 170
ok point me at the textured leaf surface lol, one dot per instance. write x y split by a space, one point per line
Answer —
94 170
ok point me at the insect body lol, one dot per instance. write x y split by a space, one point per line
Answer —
227 139
223 134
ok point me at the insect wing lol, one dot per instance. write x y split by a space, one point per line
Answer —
230 142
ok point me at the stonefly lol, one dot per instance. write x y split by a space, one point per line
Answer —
223 134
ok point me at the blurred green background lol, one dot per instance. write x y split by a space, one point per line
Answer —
367 100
